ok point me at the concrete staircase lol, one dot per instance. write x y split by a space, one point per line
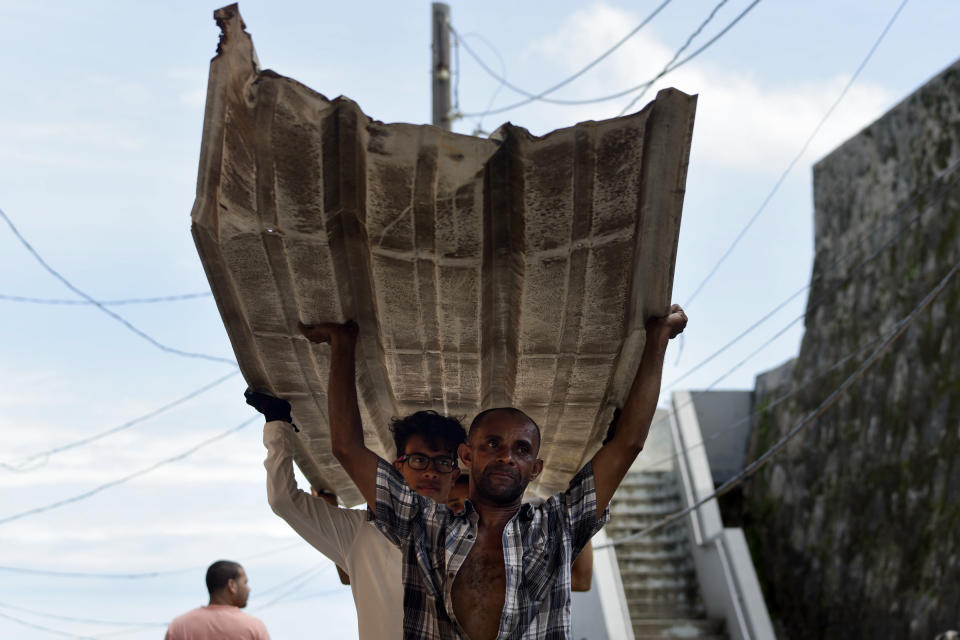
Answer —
657 570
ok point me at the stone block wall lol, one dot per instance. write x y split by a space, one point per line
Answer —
855 527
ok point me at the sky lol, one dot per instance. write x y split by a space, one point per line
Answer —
99 142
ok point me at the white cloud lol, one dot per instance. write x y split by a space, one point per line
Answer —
741 123
90 134
195 98
191 89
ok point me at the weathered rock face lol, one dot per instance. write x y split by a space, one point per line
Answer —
855 527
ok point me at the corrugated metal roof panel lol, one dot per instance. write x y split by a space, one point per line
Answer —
516 270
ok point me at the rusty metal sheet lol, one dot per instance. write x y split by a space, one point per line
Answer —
516 270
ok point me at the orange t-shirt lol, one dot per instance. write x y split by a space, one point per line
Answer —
217 622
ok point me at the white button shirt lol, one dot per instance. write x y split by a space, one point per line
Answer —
345 536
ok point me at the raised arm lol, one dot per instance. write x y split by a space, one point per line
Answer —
581 573
613 461
346 430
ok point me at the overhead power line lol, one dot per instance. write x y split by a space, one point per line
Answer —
541 96
289 581
299 584
773 403
109 303
313 596
55 616
624 92
687 43
796 158
119 481
56 274
940 189
137 576
478 129
21 466
41 627
100 576
778 446
301 580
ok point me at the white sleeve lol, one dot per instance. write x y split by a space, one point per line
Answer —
331 530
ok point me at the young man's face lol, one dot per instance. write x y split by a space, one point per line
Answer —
240 589
502 457
458 493
429 482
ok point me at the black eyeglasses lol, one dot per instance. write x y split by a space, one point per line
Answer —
418 461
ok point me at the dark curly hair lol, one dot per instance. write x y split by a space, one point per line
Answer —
220 572
443 433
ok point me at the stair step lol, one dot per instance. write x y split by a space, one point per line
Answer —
665 507
646 492
664 589
657 563
709 636
658 505
661 551
641 609
657 570
666 537
646 571
620 529
677 627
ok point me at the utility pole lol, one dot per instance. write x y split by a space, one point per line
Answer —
440 71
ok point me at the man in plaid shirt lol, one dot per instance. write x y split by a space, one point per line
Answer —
500 570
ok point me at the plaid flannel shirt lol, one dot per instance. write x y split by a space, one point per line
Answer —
540 545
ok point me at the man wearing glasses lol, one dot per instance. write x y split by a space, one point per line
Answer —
426 459
501 569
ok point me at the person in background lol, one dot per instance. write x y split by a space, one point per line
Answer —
458 494
222 618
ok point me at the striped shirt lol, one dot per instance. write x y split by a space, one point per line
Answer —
540 544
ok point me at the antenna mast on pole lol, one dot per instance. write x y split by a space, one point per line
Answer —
440 71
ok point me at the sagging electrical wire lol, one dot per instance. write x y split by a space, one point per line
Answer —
289 581
136 474
766 407
141 625
301 583
666 68
624 92
22 465
109 303
942 188
55 616
778 446
137 576
796 158
41 627
478 127
126 323
540 96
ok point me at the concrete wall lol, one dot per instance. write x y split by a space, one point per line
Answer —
728 582
855 525
724 419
